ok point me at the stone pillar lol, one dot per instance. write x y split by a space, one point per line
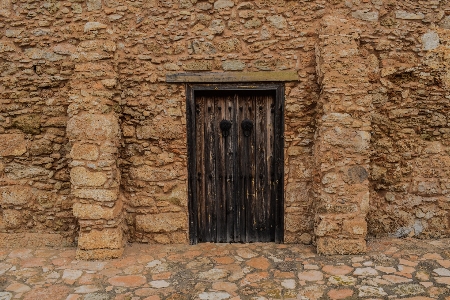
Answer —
342 140
93 130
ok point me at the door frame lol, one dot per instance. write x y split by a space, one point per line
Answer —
279 90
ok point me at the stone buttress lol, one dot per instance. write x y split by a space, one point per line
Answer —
342 140
93 130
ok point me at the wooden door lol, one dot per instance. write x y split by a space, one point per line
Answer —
235 176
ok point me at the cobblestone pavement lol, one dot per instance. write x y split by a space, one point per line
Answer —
393 268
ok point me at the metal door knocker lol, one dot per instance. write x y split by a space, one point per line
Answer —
247 127
225 126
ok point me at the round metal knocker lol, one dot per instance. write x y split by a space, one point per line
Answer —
225 126
247 127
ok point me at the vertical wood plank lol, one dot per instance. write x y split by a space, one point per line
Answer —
239 206
220 205
230 169
270 137
243 168
262 207
210 171
279 165
251 165
200 175
191 112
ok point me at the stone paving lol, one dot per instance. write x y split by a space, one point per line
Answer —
392 268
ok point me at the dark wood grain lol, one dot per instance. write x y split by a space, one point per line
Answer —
236 181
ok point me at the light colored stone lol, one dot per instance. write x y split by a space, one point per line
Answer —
80 176
442 272
161 127
152 174
5 8
430 40
401 14
158 284
83 151
13 144
5 295
162 222
365 272
15 195
213 274
221 4
95 211
94 5
288 283
371 291
445 23
277 21
102 195
18 171
109 238
233 65
214 295
90 26
95 127
342 280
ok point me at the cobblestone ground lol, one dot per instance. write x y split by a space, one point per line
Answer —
393 268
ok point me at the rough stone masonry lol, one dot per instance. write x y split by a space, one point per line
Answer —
93 138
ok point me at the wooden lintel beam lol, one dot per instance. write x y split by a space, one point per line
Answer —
219 77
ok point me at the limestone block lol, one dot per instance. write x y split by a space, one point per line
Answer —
149 173
18 171
221 4
327 226
15 195
162 222
357 226
80 176
13 218
198 65
95 211
445 23
347 138
110 238
95 127
90 26
93 70
13 144
277 21
297 222
94 4
401 14
102 195
430 40
6 46
38 53
333 246
5 8
84 151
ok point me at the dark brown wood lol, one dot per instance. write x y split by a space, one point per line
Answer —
225 77
235 179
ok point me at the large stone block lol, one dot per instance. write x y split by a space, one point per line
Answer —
15 195
81 176
96 127
13 218
110 238
340 246
95 211
18 171
13 144
102 195
84 151
149 173
163 222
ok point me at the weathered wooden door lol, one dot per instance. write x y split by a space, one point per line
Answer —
236 175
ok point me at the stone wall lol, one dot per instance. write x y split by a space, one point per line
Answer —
366 124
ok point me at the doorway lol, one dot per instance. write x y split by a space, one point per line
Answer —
236 164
